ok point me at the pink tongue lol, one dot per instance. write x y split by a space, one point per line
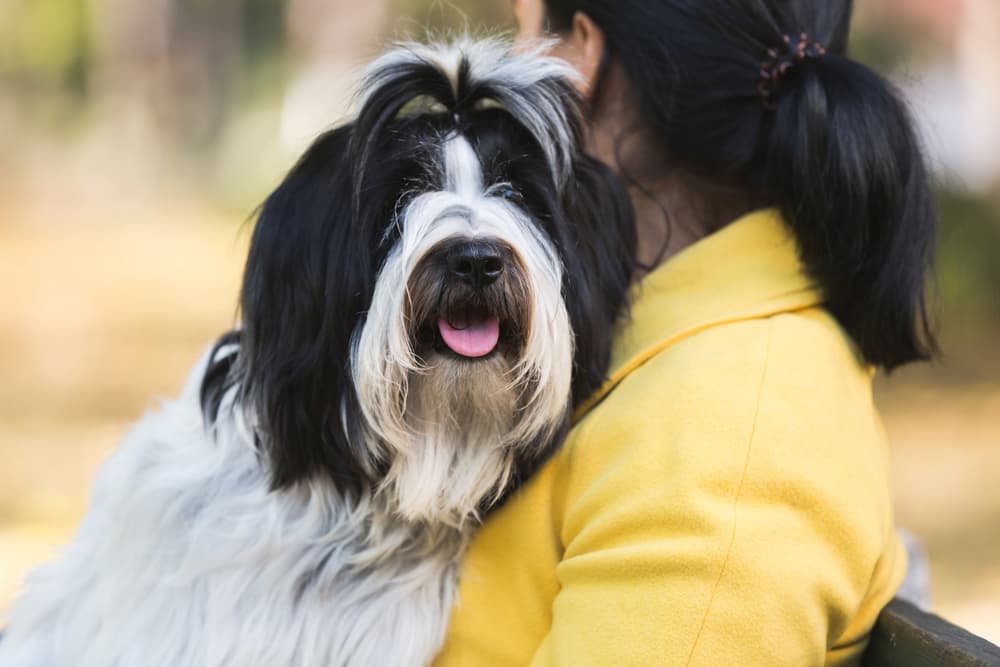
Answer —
475 339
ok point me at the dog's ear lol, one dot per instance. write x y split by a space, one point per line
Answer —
599 268
309 276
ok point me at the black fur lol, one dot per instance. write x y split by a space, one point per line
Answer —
323 235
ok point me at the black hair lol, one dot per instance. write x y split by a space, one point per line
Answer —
834 146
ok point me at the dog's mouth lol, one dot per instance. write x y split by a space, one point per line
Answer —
468 302
472 333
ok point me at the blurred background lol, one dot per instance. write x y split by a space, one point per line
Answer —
137 136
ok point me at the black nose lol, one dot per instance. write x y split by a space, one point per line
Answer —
476 263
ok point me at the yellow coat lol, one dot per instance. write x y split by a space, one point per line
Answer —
723 501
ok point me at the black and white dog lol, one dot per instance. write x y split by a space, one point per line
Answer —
427 294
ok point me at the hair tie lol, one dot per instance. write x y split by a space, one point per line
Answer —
778 63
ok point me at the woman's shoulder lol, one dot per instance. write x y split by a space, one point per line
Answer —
781 396
803 353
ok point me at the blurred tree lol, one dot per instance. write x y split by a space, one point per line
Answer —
45 46
184 61
936 20
968 268
264 34
205 54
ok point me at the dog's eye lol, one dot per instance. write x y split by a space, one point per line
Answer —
505 191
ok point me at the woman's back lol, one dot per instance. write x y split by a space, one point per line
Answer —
726 500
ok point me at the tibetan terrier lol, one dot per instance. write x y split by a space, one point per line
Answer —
427 294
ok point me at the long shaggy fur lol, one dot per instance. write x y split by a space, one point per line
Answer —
308 498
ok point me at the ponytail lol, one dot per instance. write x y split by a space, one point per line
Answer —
824 139
844 165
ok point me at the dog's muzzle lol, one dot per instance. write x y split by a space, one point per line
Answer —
468 298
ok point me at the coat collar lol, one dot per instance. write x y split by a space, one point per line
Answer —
747 270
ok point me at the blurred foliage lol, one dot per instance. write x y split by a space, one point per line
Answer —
264 47
263 31
46 59
884 47
46 43
894 45
968 260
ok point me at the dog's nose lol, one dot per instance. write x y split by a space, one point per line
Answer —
475 263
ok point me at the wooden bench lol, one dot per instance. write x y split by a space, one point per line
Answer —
907 637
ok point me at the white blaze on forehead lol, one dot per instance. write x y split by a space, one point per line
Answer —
523 84
462 170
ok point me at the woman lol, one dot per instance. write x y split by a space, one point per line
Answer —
724 500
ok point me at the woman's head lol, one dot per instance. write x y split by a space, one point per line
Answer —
830 144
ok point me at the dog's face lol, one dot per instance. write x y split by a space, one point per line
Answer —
433 285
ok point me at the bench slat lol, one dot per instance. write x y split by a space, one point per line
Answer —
907 637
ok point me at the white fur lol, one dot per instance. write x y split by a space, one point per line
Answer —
187 558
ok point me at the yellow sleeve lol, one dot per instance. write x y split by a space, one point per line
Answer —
737 515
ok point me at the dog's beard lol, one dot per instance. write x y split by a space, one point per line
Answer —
450 429
459 454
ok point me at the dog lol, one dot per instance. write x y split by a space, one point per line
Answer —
427 294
